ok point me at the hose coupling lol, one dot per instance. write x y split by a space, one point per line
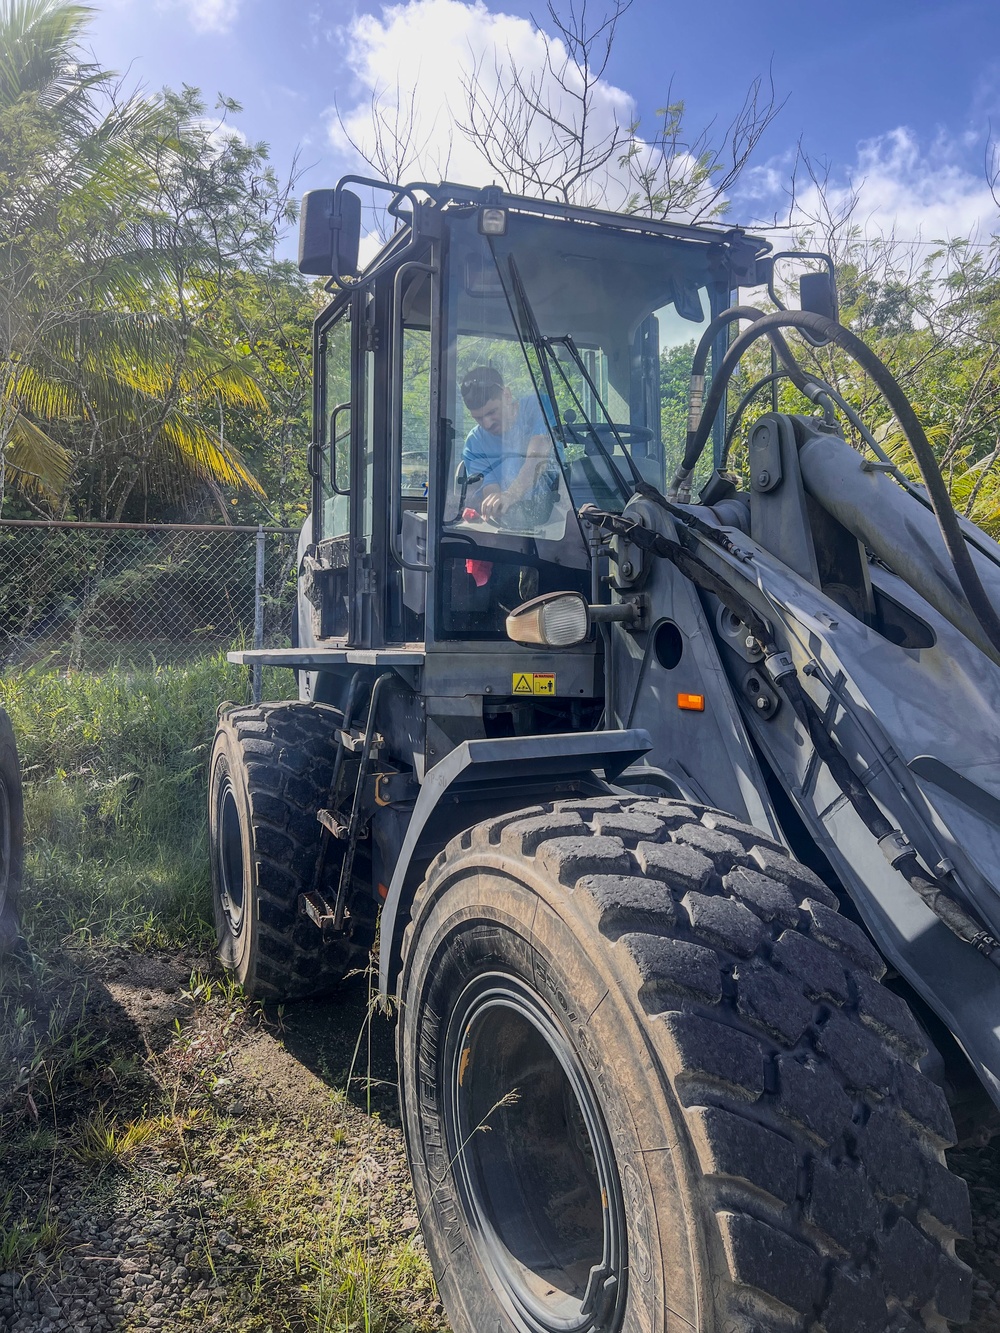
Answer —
680 486
895 847
696 398
779 665
987 944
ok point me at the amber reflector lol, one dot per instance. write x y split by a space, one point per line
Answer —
694 703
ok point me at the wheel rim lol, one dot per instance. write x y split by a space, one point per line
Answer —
231 866
534 1164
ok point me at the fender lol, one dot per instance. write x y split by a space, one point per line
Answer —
476 767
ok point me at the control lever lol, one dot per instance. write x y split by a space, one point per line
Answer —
465 479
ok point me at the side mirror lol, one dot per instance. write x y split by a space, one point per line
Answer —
818 294
763 273
817 291
330 233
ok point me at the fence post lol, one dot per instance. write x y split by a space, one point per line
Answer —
258 614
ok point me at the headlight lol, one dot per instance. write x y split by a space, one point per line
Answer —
554 620
493 221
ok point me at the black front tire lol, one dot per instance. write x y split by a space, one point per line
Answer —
649 1079
270 772
11 835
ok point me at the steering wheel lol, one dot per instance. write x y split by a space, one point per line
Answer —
627 433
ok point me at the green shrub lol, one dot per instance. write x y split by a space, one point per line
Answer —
115 768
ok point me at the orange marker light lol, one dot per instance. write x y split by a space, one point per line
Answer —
694 703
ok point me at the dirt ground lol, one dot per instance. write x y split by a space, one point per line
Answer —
212 1164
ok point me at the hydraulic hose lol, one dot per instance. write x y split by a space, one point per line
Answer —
679 486
730 316
821 327
742 406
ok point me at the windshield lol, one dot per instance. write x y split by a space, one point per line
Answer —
565 346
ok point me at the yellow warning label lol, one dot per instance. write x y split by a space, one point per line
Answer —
533 682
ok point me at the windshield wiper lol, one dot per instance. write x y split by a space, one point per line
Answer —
545 357
592 426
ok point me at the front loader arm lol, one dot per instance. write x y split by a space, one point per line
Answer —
880 710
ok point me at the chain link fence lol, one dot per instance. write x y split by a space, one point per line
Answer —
82 596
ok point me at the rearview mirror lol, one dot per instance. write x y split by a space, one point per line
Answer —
817 290
818 294
330 233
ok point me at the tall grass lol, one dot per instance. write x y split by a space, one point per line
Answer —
115 767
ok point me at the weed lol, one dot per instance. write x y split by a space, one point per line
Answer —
46 1043
224 989
19 1238
102 1141
196 1064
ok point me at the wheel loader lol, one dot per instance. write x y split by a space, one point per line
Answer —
671 786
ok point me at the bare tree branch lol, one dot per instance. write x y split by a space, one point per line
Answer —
535 130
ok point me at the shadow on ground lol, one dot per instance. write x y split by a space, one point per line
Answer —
346 1040
178 1158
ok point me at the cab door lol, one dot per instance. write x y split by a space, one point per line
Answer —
327 562
370 463
339 579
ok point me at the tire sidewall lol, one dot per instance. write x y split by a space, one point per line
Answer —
539 943
236 950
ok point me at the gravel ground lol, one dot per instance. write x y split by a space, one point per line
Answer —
270 1190
264 1197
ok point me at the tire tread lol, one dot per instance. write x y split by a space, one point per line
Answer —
287 751
796 1068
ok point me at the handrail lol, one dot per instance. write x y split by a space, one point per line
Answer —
396 417
399 193
341 407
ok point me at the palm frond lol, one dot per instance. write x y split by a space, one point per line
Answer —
202 454
37 42
35 462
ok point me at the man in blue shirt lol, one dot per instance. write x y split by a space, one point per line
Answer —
509 446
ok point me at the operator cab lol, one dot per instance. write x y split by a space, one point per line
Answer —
437 510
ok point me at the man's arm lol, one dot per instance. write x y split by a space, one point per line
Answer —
536 460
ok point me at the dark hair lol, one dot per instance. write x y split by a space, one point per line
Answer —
480 386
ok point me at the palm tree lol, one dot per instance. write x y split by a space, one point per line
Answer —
98 367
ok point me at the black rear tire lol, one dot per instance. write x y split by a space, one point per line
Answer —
649 1080
270 772
11 835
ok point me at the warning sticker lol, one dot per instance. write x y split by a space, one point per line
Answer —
533 682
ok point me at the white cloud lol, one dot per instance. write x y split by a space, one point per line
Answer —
407 71
896 187
220 136
207 15
411 66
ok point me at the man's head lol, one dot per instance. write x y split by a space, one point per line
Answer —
488 399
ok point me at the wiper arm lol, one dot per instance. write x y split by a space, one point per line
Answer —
580 364
543 353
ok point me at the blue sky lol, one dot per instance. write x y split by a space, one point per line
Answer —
895 96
